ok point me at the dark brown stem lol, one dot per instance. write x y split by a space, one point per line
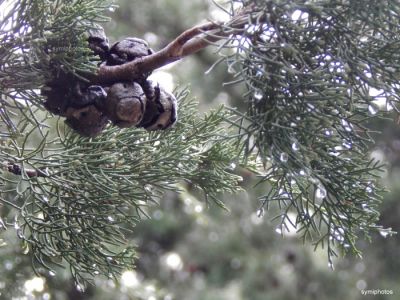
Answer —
17 170
187 43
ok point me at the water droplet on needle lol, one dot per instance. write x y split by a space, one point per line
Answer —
373 110
258 95
320 192
284 157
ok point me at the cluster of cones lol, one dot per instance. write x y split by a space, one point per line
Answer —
89 108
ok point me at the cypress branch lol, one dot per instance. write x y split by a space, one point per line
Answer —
314 72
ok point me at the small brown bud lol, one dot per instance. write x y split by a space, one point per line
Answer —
127 50
167 110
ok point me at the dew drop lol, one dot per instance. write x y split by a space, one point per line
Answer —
330 265
25 249
335 151
328 132
373 110
347 126
16 225
52 273
284 157
258 95
384 233
295 146
20 234
338 234
2 224
369 189
320 192
278 230
310 107
260 212
302 172
347 145
335 112
231 69
293 124
80 288
110 219
232 166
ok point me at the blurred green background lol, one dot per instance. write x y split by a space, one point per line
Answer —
191 251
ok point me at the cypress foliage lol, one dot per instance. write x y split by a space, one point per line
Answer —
316 72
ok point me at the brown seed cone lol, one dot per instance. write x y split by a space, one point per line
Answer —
87 121
125 104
